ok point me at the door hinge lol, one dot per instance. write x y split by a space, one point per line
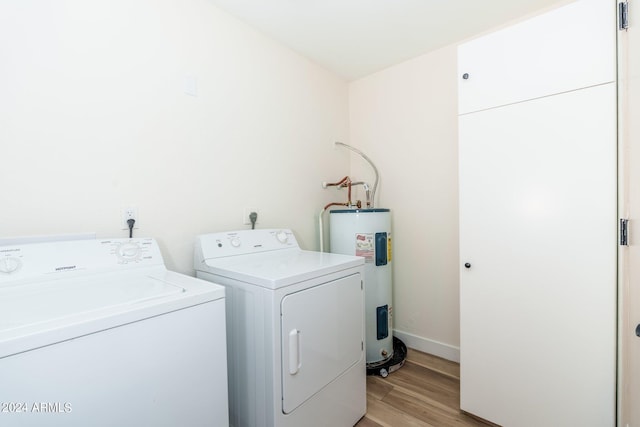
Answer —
623 15
624 232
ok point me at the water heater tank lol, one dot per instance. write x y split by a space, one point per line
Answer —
367 233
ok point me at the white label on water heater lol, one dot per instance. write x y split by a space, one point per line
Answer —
365 246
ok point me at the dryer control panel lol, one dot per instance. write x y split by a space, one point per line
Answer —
244 242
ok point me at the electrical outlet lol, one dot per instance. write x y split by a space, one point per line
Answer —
129 213
247 212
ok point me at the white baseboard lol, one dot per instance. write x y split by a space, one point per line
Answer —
425 345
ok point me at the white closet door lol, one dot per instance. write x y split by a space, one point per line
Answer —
538 229
572 47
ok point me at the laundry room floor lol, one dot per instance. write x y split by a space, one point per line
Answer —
424 392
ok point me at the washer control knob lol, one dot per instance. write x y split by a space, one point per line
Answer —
129 250
282 236
10 265
235 242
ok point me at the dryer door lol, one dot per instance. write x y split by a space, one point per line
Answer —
322 337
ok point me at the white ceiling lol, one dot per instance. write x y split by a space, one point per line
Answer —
355 38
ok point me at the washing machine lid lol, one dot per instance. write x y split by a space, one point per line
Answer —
277 269
43 313
52 292
41 302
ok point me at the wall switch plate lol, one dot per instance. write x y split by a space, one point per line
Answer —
247 212
129 213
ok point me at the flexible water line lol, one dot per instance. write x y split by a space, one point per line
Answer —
368 160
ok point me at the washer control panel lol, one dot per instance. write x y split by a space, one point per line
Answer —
129 251
10 264
243 242
50 259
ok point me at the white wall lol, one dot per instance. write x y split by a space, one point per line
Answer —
93 118
405 119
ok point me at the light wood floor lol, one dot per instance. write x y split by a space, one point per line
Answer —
424 392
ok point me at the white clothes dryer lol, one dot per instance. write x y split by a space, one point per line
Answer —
295 329
100 333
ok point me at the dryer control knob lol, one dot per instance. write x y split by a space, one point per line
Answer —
282 236
235 242
9 265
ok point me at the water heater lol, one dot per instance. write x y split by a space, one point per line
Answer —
367 233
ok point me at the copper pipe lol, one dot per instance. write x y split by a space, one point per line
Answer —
341 183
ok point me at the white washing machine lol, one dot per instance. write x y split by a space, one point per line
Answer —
295 329
99 333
